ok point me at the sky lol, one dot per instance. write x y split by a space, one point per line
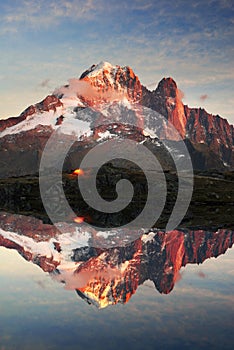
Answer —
45 43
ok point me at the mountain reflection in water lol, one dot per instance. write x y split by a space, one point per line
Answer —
107 276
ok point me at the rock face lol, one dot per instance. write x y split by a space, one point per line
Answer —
167 100
104 94
157 257
210 135
20 153
108 276
106 77
195 124
212 131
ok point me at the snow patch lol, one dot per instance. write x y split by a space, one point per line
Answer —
105 135
46 118
70 125
74 126
70 100
67 242
36 248
148 237
150 133
103 65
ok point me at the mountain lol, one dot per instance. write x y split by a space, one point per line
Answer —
210 135
109 101
109 276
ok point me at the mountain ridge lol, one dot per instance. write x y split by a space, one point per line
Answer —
104 89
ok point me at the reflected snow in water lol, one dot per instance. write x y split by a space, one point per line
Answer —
164 290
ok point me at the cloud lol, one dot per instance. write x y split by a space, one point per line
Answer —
181 94
203 97
201 274
178 276
78 87
40 14
41 284
155 39
76 280
226 3
141 6
44 83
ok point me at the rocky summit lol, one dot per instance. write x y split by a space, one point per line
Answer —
109 101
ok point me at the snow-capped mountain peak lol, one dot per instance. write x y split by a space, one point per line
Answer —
107 93
95 69
107 77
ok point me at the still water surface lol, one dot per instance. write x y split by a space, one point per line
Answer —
37 312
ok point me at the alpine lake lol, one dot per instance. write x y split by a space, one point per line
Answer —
155 290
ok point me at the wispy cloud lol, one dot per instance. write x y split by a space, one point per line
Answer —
142 5
201 274
203 97
44 83
190 41
41 14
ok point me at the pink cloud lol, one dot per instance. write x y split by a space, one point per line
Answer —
201 274
78 88
203 97
181 94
